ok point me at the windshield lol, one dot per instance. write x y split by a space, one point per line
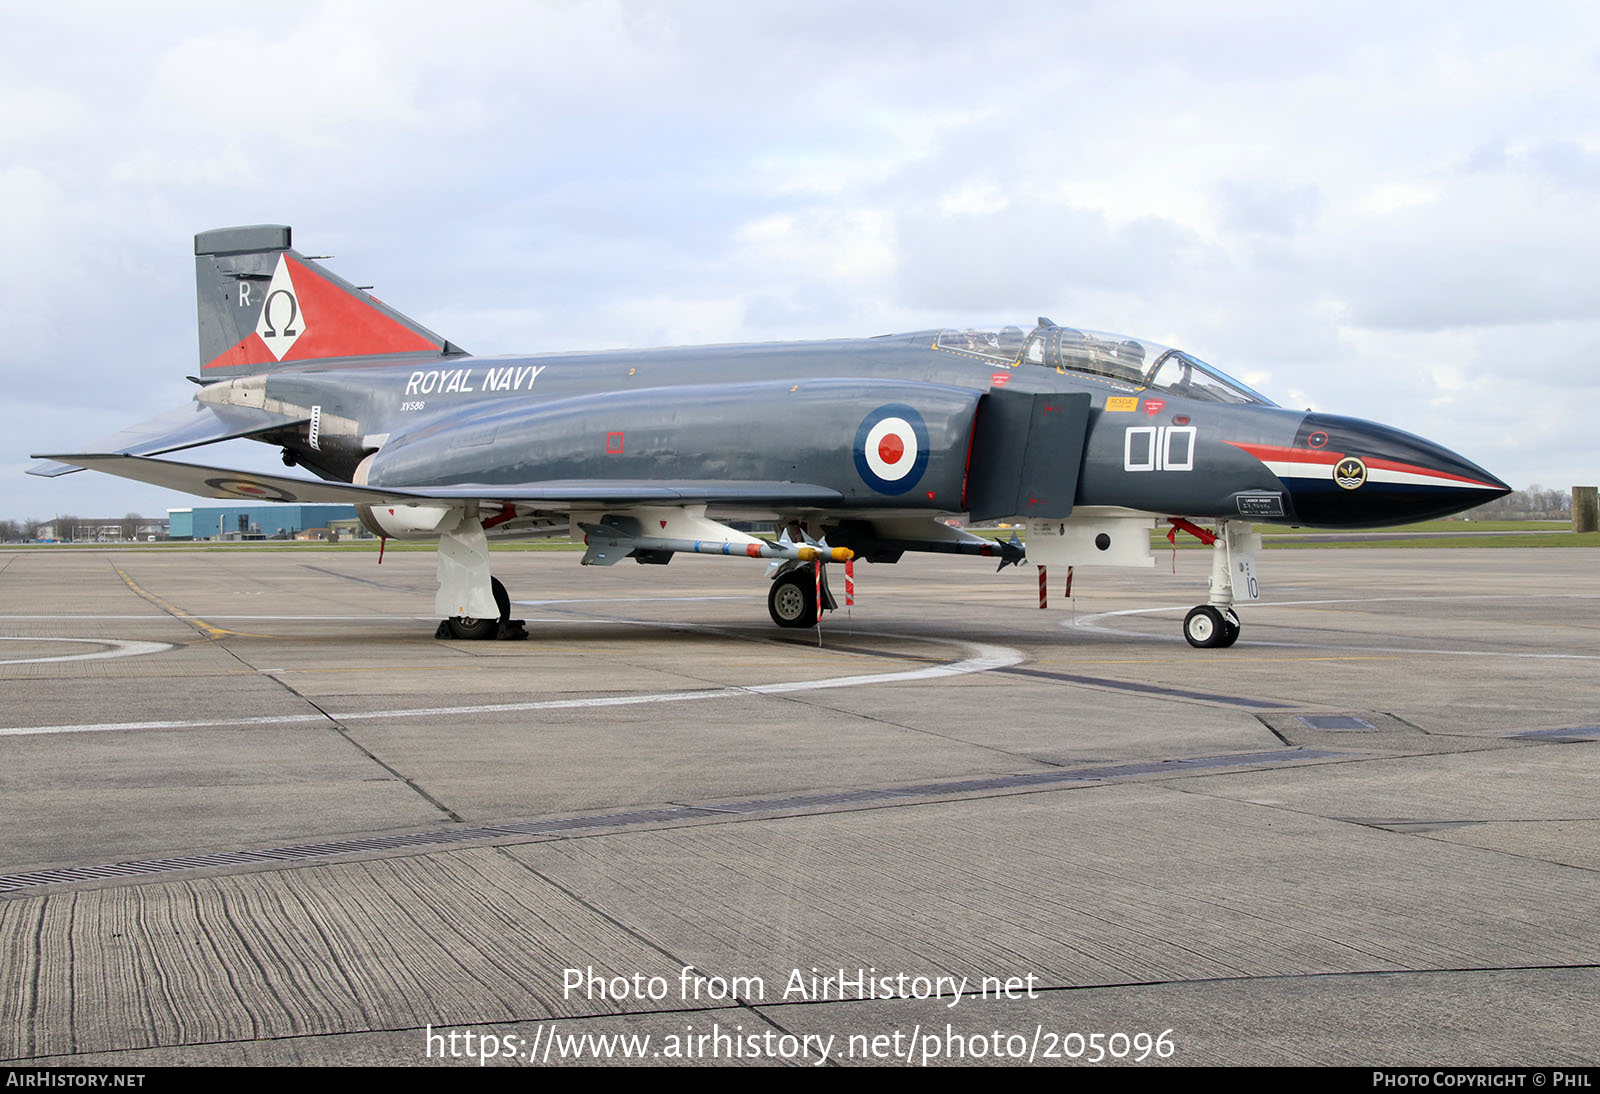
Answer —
1176 373
1121 362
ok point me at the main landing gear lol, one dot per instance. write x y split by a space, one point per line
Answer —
468 627
464 578
792 600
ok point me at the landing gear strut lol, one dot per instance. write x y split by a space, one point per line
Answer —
468 627
1215 625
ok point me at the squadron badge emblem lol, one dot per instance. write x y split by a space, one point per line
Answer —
1349 473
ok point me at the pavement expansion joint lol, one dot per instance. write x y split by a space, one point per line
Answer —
434 839
1574 735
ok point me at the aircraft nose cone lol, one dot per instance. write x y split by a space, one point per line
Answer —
1356 472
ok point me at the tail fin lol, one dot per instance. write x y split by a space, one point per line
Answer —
262 303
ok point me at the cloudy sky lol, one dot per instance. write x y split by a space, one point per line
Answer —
1381 209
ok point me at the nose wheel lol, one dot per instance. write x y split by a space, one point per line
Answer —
1207 627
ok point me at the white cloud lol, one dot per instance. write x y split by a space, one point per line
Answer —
1388 209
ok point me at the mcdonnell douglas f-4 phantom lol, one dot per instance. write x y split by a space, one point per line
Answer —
855 448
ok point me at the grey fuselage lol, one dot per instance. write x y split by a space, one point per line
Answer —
796 412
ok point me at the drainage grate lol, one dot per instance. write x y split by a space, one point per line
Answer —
1337 723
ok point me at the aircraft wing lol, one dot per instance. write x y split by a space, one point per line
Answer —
560 494
192 424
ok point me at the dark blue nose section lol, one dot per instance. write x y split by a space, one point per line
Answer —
1346 471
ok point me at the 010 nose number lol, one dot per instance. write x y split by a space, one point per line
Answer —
1158 448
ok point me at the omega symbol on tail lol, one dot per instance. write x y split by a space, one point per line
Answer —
291 304
891 449
282 322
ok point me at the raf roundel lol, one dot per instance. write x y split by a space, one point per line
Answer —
244 488
891 449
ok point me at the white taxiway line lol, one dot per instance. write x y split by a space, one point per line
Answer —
118 648
981 658
373 616
148 616
634 599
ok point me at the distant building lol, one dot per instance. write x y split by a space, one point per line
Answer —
252 520
348 529
103 529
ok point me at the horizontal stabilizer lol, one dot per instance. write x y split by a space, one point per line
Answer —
222 482
187 426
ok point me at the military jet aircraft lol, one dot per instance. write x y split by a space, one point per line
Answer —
857 448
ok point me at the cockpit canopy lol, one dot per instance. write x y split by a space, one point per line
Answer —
1124 363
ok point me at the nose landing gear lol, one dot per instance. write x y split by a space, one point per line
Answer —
1214 624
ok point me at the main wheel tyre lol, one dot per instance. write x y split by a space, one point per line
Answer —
468 627
1204 627
792 600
